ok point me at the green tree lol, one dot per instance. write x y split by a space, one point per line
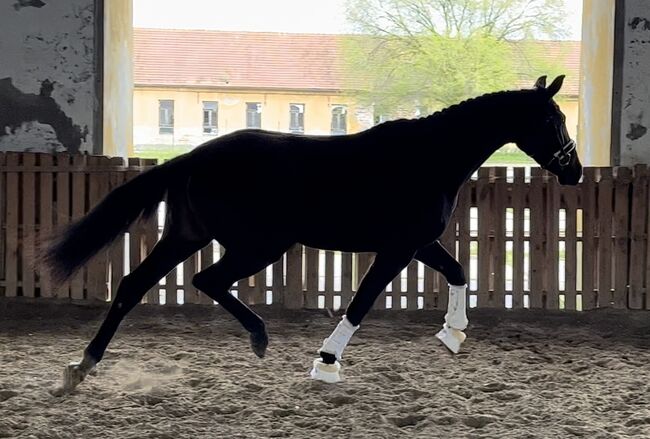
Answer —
427 54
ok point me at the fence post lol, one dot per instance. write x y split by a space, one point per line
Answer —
293 294
638 237
621 228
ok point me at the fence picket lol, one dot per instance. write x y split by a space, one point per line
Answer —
638 238
28 200
13 197
621 229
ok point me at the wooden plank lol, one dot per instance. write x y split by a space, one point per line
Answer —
136 239
190 266
150 239
347 285
98 189
294 297
329 279
638 237
430 295
62 216
116 251
448 241
519 190
11 273
3 218
79 209
463 212
589 248
311 280
621 233
485 235
537 238
551 244
277 288
605 210
206 260
497 297
28 226
257 293
394 294
46 219
570 201
412 285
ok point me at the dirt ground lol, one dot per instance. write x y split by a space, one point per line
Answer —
187 372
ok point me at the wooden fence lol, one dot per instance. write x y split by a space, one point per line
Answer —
524 241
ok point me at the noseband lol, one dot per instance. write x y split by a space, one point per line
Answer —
563 155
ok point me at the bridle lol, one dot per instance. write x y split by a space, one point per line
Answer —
563 155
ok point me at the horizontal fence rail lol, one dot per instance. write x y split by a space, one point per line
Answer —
524 240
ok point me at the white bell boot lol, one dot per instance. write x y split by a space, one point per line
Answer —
451 334
334 345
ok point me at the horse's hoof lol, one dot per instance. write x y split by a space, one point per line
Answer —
328 373
259 342
451 338
73 375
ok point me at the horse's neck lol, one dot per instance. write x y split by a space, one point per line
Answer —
476 137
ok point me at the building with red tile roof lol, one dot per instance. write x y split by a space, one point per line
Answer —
237 71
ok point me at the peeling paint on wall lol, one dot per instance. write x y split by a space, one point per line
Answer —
21 108
47 97
27 4
635 22
636 131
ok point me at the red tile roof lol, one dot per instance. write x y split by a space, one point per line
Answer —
254 60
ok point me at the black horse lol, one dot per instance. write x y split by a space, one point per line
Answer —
258 193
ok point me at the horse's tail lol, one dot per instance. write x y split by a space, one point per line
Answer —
112 216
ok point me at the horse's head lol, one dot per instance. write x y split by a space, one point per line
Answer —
544 136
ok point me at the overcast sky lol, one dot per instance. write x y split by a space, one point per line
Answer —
309 16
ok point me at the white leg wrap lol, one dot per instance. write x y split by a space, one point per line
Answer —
336 343
456 316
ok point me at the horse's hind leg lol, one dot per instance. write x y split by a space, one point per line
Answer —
169 252
236 264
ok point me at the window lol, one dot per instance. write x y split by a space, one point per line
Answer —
339 120
166 116
253 115
210 112
297 118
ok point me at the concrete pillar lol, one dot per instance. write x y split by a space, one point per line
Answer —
631 92
118 78
596 82
614 91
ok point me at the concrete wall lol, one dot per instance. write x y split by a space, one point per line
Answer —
47 75
634 86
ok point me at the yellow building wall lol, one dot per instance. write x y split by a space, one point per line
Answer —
571 109
188 113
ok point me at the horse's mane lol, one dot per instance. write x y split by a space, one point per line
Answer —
471 105
465 111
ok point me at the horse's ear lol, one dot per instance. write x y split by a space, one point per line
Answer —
541 82
555 85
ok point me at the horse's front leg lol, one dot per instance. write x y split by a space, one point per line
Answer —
438 258
384 268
